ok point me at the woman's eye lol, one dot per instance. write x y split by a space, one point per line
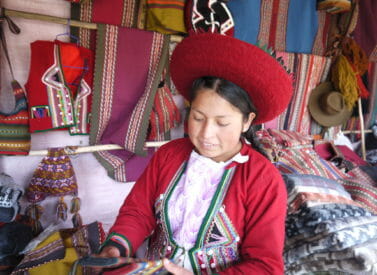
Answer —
223 124
197 118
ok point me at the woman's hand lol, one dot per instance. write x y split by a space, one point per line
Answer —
109 251
176 269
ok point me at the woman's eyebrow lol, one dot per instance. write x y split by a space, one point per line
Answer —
200 112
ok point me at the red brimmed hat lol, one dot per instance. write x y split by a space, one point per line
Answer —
258 73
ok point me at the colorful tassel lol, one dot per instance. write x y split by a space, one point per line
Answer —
34 212
75 205
345 81
76 220
61 210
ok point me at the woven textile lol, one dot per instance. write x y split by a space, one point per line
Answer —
297 184
364 194
128 69
164 115
284 25
124 13
57 253
14 125
300 158
304 222
365 32
335 241
212 16
165 16
308 71
359 258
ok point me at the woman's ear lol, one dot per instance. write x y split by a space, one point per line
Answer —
248 122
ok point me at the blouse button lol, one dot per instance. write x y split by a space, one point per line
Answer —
238 239
213 265
169 248
203 266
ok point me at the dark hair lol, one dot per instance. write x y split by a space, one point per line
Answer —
236 96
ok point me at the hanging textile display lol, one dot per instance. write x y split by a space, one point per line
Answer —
59 87
14 125
129 66
308 71
54 177
283 25
365 32
123 13
209 16
164 115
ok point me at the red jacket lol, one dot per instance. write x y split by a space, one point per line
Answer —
242 232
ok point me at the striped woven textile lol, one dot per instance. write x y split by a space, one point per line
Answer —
308 71
124 13
14 125
283 25
164 115
128 69
165 16
362 187
293 154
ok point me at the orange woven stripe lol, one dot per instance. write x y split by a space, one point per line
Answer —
178 3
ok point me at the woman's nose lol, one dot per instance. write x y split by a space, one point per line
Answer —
207 130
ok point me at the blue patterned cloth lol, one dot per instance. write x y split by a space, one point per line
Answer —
307 218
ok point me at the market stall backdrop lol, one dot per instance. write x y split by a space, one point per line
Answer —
100 195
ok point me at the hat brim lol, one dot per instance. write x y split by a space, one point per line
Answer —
208 54
321 117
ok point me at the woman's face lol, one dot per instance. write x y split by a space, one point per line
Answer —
215 126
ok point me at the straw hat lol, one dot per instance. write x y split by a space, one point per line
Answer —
327 106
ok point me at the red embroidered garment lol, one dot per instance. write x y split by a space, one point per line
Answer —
59 86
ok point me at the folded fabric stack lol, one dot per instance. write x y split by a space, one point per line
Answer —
326 230
294 153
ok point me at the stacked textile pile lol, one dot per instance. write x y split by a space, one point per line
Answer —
331 224
326 230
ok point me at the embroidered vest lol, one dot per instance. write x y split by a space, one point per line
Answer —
59 87
216 247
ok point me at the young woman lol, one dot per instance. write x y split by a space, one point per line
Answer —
210 202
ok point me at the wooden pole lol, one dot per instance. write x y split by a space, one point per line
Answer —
64 21
361 117
73 150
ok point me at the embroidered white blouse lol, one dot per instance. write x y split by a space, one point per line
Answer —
192 196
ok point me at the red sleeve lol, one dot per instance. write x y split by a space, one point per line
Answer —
263 242
135 220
